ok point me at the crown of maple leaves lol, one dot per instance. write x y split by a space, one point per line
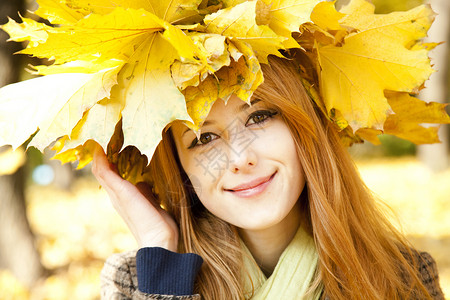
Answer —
141 64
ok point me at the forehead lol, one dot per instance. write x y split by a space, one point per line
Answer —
233 106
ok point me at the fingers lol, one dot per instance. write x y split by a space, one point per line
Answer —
121 192
106 173
147 221
100 163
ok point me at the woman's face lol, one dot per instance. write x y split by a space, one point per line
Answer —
244 167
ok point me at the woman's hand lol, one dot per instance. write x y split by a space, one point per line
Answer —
151 225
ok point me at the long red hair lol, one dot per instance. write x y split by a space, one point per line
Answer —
361 255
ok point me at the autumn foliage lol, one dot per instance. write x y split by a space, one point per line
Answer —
132 67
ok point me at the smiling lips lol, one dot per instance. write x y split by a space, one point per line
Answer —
252 188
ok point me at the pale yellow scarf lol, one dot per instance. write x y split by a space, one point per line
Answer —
292 275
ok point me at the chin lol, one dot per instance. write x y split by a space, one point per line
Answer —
261 222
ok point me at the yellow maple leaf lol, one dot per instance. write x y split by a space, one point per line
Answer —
112 49
239 22
75 49
217 55
411 131
282 16
131 165
97 124
138 95
28 30
410 113
174 12
25 105
390 65
114 33
71 11
359 7
286 16
241 77
66 113
325 16
407 120
58 12
368 134
149 88
117 75
77 66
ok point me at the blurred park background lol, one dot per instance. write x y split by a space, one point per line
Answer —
57 226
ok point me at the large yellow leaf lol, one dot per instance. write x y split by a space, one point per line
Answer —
391 65
187 74
57 12
152 98
410 113
97 125
25 105
186 49
282 16
358 7
404 27
101 44
325 16
411 109
406 121
217 55
99 38
70 11
239 22
28 30
287 15
412 132
174 11
67 113
77 66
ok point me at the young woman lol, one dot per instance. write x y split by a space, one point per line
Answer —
265 204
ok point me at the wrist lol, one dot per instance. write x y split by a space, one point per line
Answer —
169 243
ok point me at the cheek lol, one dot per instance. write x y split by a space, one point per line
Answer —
279 144
208 164
202 177
283 149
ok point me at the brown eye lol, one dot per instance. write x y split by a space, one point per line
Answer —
205 138
260 116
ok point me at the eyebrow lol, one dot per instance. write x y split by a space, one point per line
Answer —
241 108
245 105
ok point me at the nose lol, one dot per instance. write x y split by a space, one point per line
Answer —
242 155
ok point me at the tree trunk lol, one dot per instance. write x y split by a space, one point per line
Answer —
436 156
17 249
